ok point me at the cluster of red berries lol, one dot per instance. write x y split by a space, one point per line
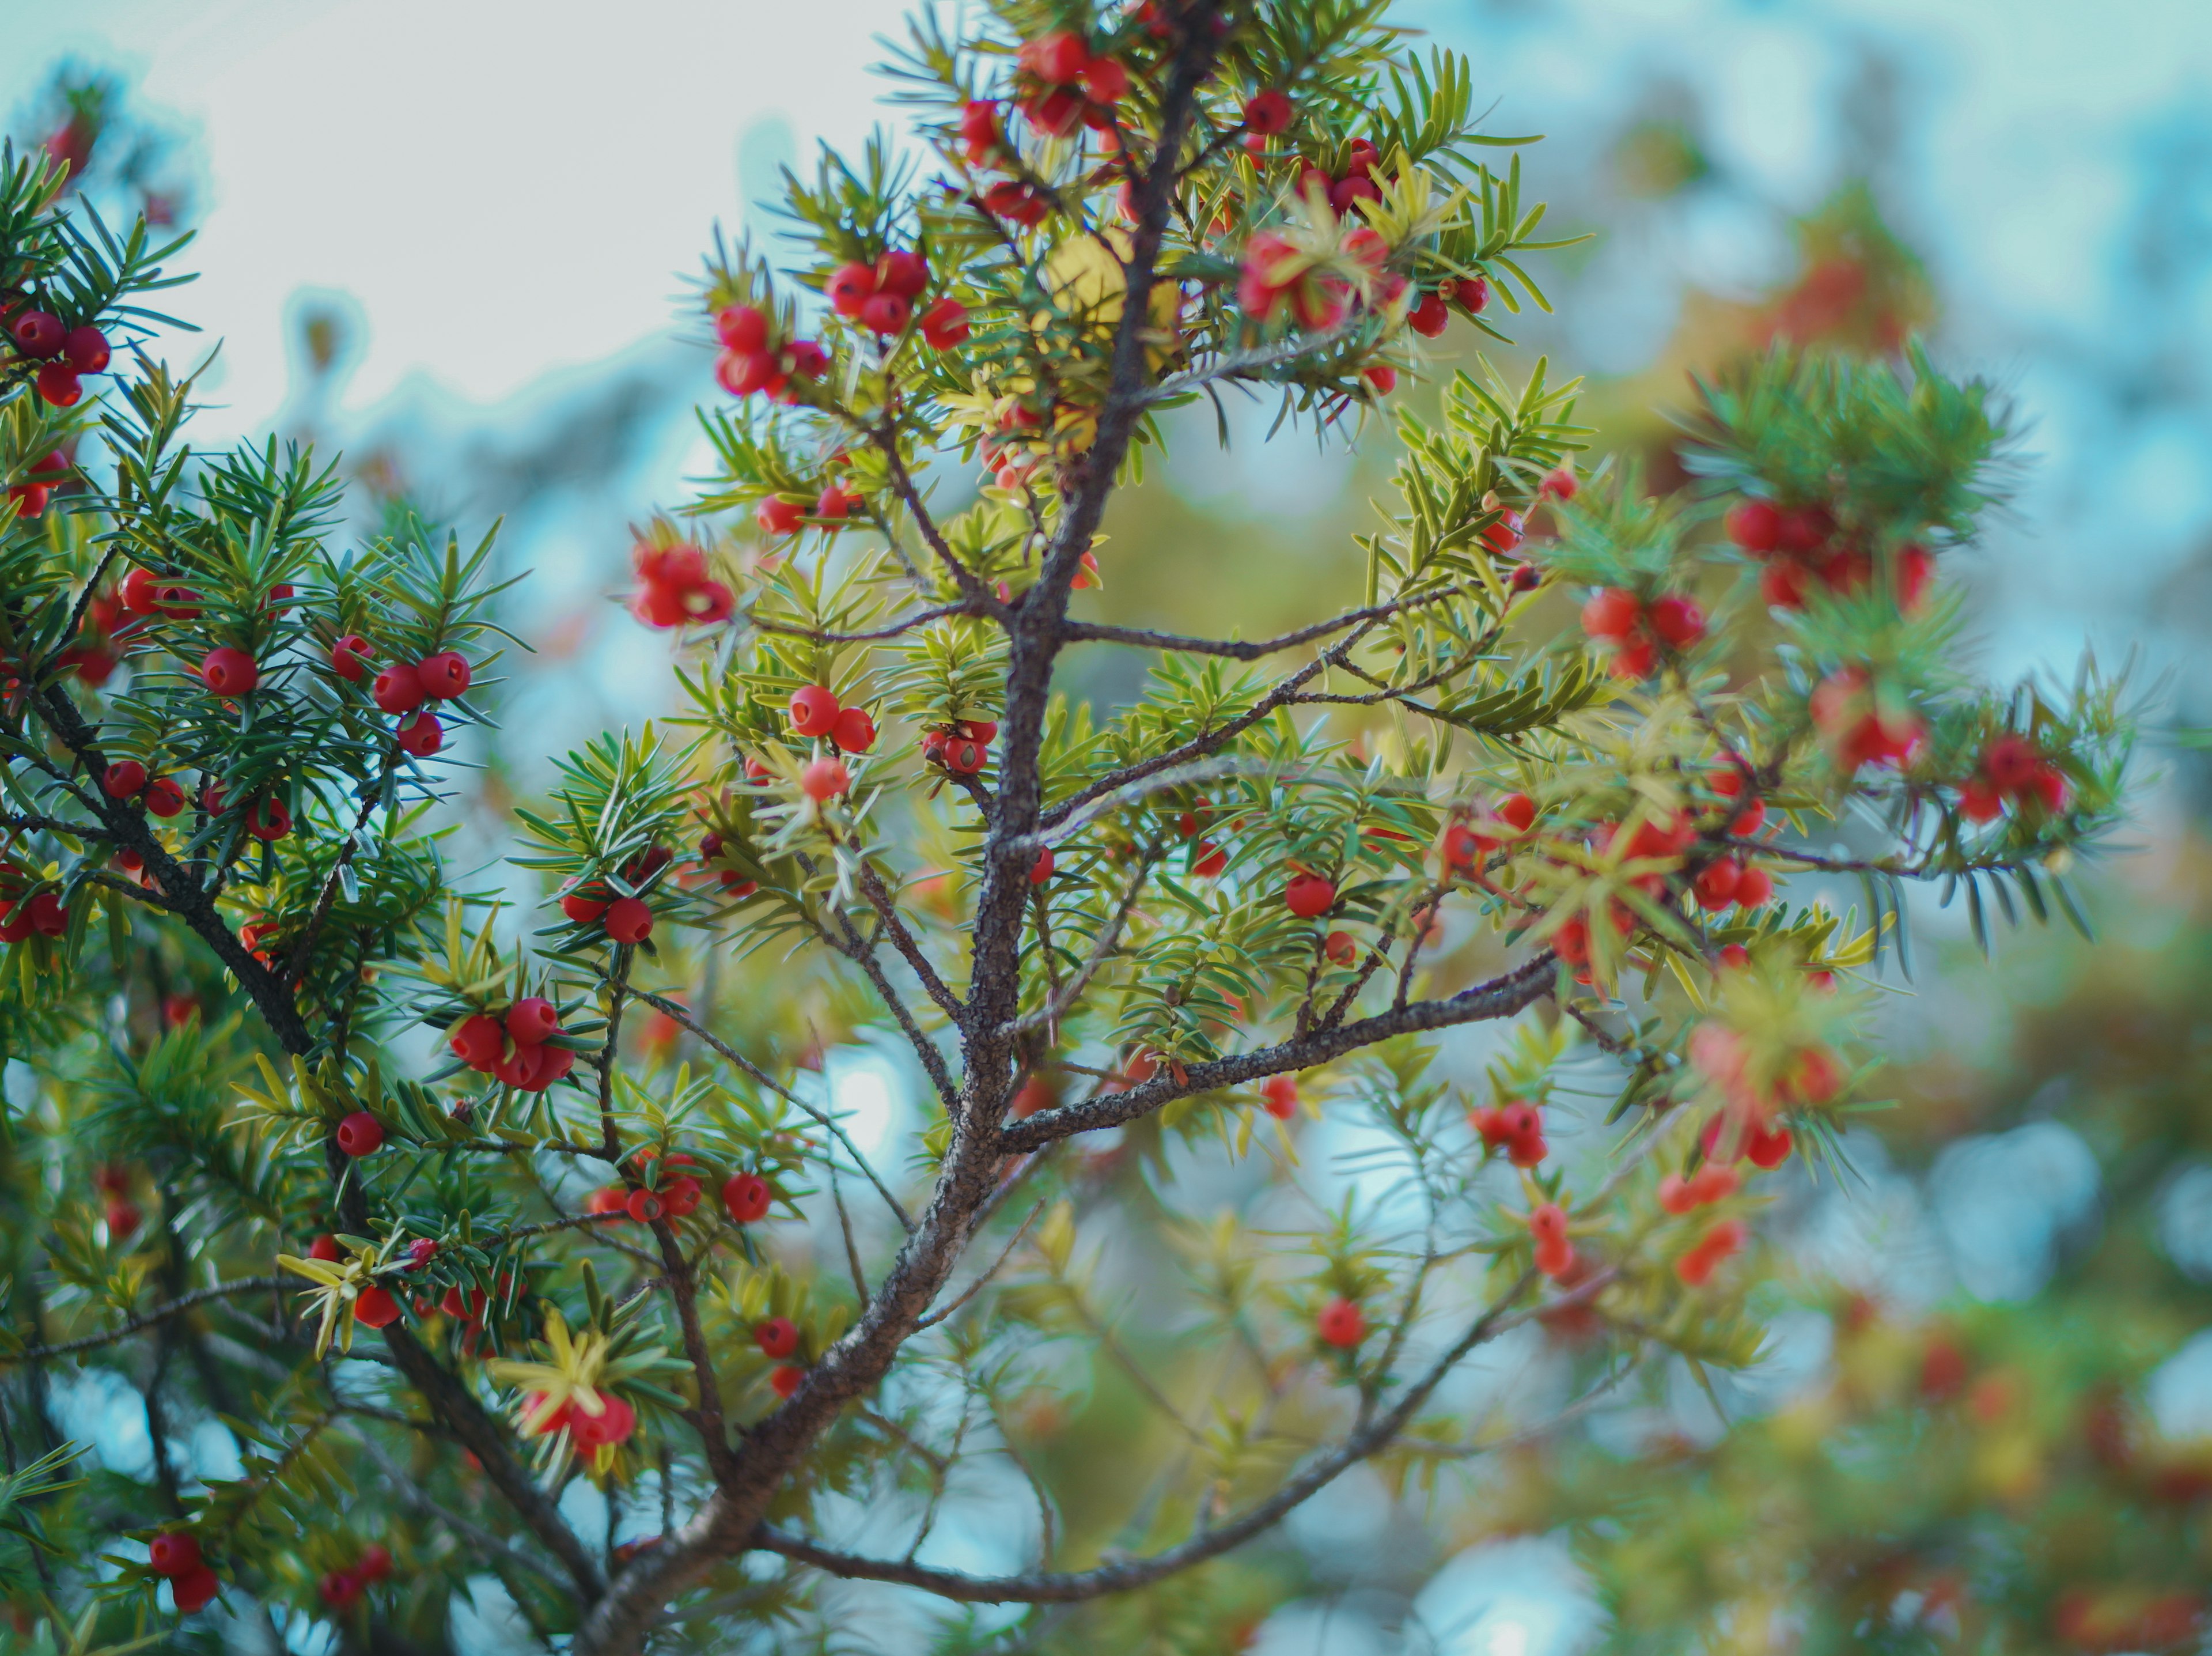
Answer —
42 912
64 353
778 1339
882 298
127 779
403 687
1547 1225
961 746
113 1183
177 1557
1068 85
1465 843
1276 273
734 882
1636 630
665 1192
817 712
754 361
780 516
519 1050
1798 545
342 1589
1859 726
1516 1128
674 589
1355 184
624 919
2011 769
375 1305
1720 1243
588 1428
1341 1323
32 494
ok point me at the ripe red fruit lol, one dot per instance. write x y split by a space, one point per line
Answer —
172 1554
1679 621
1718 883
2009 762
645 1206
58 384
361 1134
945 324
613 1424
1208 860
853 730
532 1021
680 1195
1805 529
1754 888
349 657
1611 613
778 517
886 313
398 689
825 779
835 503
37 334
787 1379
1768 1148
902 272
178 602
1340 1323
1430 317
1916 567
477 1043
850 287
964 755
1309 895
524 1069
324 1247
1056 59
195 1589
1340 948
228 671
1754 525
420 736
376 1563
30 498
125 777
267 819
741 328
628 920
1718 1243
747 1197
443 676
581 909
744 373
1105 82
777 1337
814 711
376 1308
86 350
140 592
1041 870
1278 1096
608 1199
1634 659
1268 112
1382 377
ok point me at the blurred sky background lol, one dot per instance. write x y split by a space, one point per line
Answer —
500 205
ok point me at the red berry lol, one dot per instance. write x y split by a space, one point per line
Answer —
1041 870
398 689
1518 811
37 334
825 779
964 756
742 327
1057 58
420 1252
1526 577
1611 613
376 1308
853 730
476 1042
743 372
1381 377
1430 317
906 274
777 1337
180 603
628 920
787 1379
613 1424
1634 659
443 676
1754 525
680 1195
1718 882
1679 621
1345 191
125 777
532 1021
349 657
30 498
1207 860
1340 1323
850 287
645 1206
376 1563
1472 295
886 313
1340 948
814 711
747 1197
1782 586
140 592
86 349
778 517
229 672
1278 1096
1559 484
2010 762
58 384
1915 568
1805 529
422 735
1768 1148
945 324
835 503
1676 1196
1754 888
195 1589
1309 895
361 1134
267 819
1105 82
172 1554
581 909
1268 112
